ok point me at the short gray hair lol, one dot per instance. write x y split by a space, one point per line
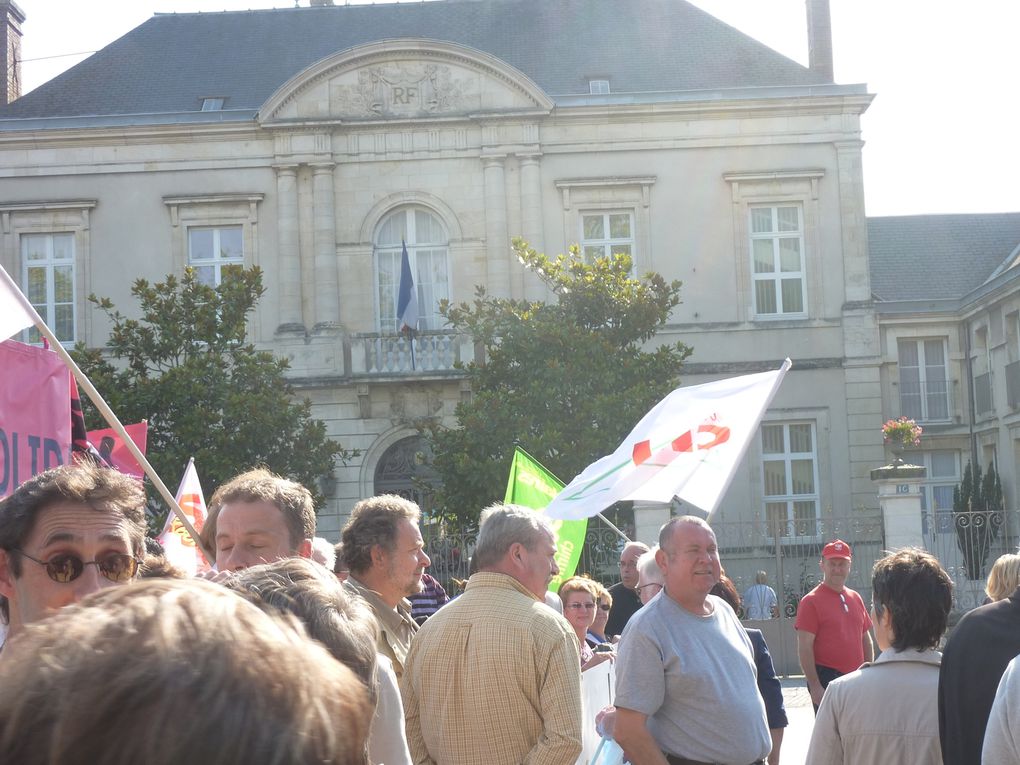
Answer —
647 566
501 526
324 552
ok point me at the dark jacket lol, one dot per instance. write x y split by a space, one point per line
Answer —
769 687
976 655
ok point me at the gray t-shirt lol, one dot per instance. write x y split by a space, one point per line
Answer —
695 678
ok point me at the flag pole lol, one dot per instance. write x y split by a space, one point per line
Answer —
609 523
107 413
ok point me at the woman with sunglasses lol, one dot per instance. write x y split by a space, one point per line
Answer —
580 599
597 631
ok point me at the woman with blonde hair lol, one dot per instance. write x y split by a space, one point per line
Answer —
1003 578
580 601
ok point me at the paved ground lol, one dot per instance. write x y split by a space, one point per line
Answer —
802 720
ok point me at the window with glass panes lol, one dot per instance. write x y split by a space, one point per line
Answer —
428 253
924 382
214 250
790 478
48 278
605 234
777 260
942 478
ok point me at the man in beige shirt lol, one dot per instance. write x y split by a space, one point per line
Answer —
493 678
384 551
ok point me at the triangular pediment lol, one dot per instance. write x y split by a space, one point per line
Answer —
406 79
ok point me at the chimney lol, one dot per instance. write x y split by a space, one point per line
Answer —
11 19
819 35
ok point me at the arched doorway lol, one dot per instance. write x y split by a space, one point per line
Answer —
403 470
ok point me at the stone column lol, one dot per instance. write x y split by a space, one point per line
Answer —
531 218
648 519
497 236
327 284
899 495
288 248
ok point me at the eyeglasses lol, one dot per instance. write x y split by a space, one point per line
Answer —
64 568
604 606
650 584
579 606
628 564
842 599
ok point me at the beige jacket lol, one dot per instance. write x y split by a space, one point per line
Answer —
885 713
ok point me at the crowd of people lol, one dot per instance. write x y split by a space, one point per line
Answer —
295 650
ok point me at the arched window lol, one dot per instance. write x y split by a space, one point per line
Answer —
427 249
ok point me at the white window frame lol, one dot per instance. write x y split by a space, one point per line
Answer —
598 87
608 242
777 276
922 372
215 262
47 310
428 311
789 497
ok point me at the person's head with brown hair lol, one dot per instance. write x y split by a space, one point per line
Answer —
258 517
911 596
64 534
580 602
297 586
1004 577
603 602
171 671
726 590
383 548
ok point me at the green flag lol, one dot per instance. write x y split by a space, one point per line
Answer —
531 485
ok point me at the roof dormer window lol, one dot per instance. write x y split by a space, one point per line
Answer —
598 87
212 104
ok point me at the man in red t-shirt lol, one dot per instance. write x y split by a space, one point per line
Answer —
832 624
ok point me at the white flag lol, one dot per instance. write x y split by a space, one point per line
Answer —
181 549
16 313
688 445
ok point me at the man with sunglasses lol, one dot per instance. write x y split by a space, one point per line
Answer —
832 625
64 534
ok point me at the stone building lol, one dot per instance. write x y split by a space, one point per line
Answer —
311 141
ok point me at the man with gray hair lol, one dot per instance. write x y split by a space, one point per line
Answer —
384 551
503 668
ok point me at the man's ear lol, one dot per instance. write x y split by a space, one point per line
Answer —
378 555
305 549
6 575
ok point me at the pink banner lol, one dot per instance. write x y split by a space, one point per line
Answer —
113 449
35 413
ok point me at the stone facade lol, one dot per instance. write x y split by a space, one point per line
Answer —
752 196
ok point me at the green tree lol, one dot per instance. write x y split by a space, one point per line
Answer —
977 516
566 379
186 366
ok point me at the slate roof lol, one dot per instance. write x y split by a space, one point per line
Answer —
169 63
939 257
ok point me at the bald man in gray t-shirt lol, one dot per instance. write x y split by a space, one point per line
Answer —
686 683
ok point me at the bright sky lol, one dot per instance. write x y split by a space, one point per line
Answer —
940 135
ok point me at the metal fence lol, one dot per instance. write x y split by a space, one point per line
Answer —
787 551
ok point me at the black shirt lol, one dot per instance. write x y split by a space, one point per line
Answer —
625 604
976 655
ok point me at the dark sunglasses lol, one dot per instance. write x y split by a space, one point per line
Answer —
64 568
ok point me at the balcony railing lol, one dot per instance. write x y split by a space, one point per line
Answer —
1013 384
983 393
377 353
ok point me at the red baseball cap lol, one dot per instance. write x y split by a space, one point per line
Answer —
837 549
